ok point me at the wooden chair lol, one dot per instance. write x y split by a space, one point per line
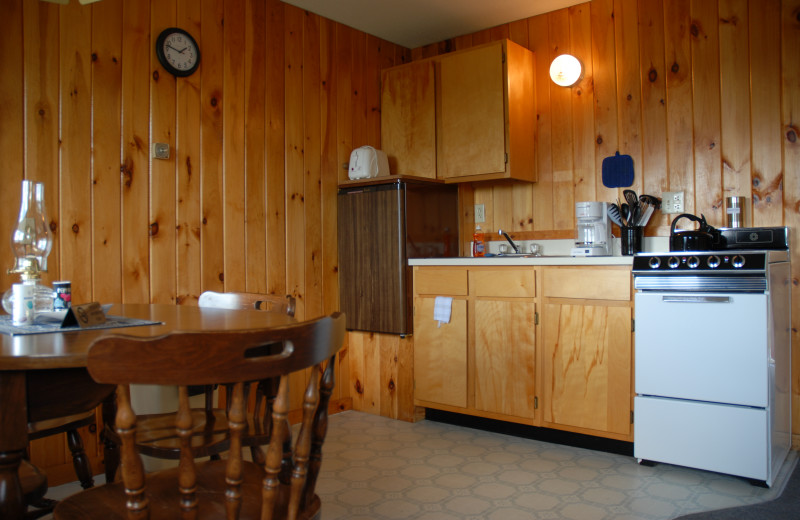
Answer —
156 435
234 488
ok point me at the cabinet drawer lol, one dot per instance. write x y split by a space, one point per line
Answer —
505 282
440 281
587 283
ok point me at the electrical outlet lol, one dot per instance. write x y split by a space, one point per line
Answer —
480 213
672 202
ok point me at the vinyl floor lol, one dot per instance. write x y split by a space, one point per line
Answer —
381 469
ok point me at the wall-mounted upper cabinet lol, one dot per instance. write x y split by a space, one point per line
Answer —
464 116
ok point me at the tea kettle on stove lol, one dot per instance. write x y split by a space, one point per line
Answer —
703 238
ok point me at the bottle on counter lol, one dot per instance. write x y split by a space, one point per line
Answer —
478 242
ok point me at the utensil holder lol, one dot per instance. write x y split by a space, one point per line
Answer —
631 240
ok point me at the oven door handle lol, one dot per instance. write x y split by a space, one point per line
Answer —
696 299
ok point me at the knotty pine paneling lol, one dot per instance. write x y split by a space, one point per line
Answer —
691 89
258 136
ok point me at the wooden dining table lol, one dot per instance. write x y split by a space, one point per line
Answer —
57 361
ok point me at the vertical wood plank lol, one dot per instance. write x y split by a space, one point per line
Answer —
358 98
629 97
706 112
41 27
212 234
654 98
162 172
276 161
295 210
561 125
12 125
765 100
735 96
329 165
582 97
312 190
678 63
605 92
539 43
76 174
135 156
233 123
106 138
790 114
344 114
188 158
255 81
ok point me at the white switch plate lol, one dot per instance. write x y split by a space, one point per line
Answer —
672 202
480 213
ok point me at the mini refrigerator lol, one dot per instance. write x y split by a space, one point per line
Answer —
381 224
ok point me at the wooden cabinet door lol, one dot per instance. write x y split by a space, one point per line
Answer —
440 354
472 131
505 357
587 365
408 119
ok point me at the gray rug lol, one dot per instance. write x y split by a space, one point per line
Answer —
785 507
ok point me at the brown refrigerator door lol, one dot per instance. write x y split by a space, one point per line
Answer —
371 259
380 227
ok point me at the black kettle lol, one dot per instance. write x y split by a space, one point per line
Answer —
701 239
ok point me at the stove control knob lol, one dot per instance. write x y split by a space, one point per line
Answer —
737 261
693 262
673 262
713 261
655 262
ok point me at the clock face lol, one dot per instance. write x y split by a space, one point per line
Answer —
178 52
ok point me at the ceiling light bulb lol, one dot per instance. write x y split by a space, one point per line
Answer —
566 70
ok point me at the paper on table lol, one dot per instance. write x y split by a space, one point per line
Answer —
442 307
58 316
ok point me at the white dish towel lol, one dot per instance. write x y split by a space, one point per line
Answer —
441 309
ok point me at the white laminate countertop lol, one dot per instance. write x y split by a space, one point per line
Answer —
556 252
518 260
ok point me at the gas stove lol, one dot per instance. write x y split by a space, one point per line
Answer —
725 263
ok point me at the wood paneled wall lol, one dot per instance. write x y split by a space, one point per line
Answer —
258 136
703 94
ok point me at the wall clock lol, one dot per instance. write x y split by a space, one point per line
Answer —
177 51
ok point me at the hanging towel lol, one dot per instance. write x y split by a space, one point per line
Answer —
441 309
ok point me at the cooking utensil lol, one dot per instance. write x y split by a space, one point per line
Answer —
631 198
701 239
613 214
625 213
645 218
650 199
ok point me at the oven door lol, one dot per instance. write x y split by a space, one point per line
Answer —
702 346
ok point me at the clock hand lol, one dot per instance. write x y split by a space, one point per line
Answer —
174 49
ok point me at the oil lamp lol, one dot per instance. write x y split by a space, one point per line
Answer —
31 243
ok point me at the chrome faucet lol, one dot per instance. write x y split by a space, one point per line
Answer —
513 245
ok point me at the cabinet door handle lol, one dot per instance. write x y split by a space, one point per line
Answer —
696 299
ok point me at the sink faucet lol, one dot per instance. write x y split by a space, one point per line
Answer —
513 245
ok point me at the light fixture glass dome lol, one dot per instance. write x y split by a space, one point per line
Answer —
566 70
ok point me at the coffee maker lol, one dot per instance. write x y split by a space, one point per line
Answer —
592 229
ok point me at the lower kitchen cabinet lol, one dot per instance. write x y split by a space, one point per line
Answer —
587 350
485 362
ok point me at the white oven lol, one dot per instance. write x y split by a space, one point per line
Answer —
712 361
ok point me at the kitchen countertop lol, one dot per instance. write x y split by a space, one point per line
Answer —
518 260
556 252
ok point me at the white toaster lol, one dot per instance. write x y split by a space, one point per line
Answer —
367 162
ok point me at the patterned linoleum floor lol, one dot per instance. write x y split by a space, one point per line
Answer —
381 469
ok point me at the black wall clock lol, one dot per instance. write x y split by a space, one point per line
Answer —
177 51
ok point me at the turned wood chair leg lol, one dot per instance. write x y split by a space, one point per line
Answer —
110 448
79 459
